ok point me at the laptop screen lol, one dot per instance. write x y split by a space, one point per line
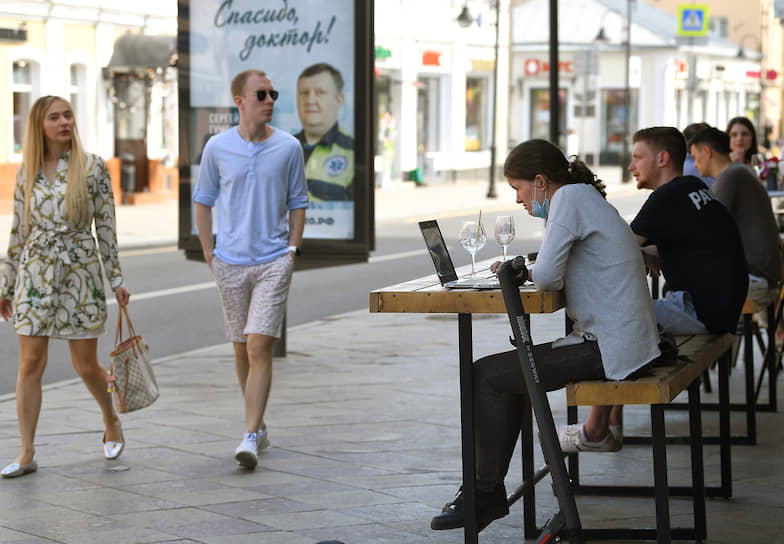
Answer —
438 251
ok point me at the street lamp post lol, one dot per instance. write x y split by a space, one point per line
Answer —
465 19
627 98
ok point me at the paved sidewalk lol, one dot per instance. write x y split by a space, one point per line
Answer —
365 449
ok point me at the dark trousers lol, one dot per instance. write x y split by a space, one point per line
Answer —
498 392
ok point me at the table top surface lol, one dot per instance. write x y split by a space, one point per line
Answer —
426 296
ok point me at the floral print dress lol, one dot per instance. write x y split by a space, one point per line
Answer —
53 273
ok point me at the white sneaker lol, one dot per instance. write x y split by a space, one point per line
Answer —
262 441
617 432
572 441
246 453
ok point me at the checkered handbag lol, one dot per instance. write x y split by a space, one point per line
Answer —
132 380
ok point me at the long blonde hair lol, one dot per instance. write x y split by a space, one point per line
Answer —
77 208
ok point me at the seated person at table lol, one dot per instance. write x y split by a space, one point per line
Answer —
747 200
590 252
694 240
690 236
689 168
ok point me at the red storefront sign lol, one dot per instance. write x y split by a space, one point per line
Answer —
535 66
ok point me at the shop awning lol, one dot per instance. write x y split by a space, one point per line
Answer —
140 51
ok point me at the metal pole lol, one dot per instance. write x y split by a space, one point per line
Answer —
491 187
554 105
627 99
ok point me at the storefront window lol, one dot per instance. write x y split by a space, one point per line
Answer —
476 113
22 91
77 90
614 123
427 117
540 114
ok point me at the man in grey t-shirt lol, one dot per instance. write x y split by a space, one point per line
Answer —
742 193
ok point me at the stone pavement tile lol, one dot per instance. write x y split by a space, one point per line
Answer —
260 478
257 509
272 537
107 501
313 519
383 513
9 536
378 533
117 473
295 485
19 494
189 522
348 498
195 492
57 523
407 479
499 532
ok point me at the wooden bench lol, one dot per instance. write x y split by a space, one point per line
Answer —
696 354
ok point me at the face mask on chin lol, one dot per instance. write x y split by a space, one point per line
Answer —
540 210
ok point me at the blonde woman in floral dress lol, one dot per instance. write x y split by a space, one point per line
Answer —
52 284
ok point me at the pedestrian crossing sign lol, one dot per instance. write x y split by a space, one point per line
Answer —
692 20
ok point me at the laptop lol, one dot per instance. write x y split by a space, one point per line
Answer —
445 269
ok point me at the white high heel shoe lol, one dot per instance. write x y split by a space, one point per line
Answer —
111 449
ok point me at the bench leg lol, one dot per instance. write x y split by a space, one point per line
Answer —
725 439
697 466
661 491
748 361
573 459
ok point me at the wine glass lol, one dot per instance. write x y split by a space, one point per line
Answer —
472 238
758 163
504 231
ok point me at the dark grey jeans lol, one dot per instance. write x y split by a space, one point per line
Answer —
498 393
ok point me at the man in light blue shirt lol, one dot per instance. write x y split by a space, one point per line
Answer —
256 174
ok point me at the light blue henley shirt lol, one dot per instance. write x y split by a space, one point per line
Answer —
258 183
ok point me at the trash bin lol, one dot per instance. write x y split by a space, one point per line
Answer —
127 175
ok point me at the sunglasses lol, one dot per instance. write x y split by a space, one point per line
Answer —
261 94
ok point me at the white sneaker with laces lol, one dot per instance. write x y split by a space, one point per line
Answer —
246 453
262 441
572 441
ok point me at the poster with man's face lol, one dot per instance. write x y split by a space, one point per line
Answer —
306 48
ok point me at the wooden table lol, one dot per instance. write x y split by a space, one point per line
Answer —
426 296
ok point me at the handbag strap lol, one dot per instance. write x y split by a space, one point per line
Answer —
118 335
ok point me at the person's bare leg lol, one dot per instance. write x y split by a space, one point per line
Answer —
596 426
84 357
33 352
259 380
241 363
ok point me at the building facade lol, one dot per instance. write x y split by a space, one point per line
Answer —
671 80
66 48
436 87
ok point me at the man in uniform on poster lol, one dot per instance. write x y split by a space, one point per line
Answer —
328 150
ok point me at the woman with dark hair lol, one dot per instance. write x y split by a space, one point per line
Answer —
743 140
589 251
52 284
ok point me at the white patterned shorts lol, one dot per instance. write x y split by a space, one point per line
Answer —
253 296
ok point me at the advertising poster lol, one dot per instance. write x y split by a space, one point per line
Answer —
307 49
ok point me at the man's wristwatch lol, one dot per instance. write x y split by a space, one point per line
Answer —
295 250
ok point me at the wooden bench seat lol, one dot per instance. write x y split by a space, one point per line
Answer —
664 382
657 389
